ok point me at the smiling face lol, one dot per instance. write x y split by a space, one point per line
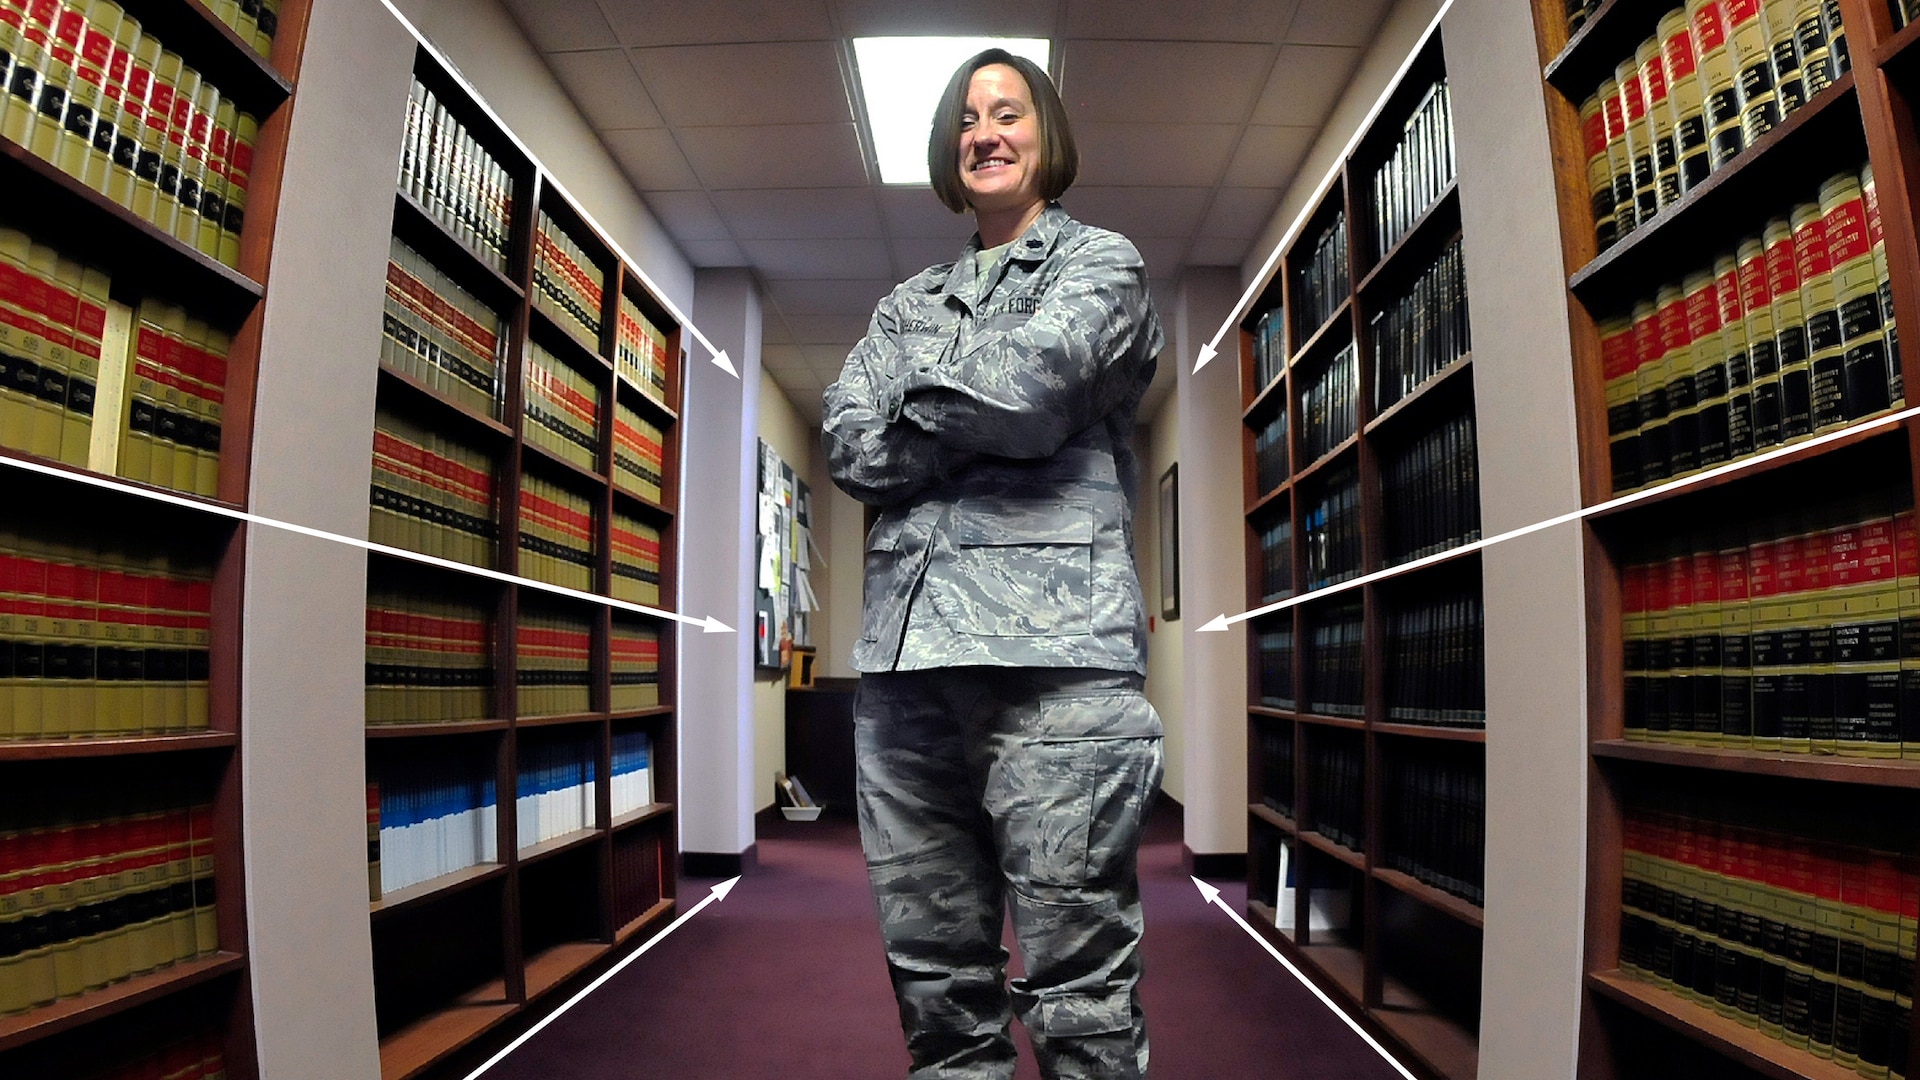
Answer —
1000 143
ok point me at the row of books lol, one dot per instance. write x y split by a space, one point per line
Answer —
457 180
639 454
555 664
90 898
1274 743
253 21
562 409
435 815
1270 449
557 531
1714 78
97 644
1336 653
1276 559
632 786
1434 823
430 493
1418 335
1789 337
636 560
555 791
1436 662
640 350
1417 169
1796 637
568 285
53 316
1269 347
1275 645
1329 406
1330 530
1794 930
634 656
170 405
196 1057
429 659
1430 491
441 335
1336 763
1320 282
638 868
95 95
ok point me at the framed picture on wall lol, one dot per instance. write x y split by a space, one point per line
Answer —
1170 542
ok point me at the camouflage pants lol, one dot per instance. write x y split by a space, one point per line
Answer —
985 787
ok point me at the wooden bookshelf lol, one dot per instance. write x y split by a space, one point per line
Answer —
166 531
552 909
1865 116
1356 964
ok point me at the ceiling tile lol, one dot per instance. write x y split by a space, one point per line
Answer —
783 156
800 213
1219 20
603 85
918 18
826 358
916 211
1336 22
816 297
773 330
1167 211
1162 254
1240 212
1192 81
818 258
562 24
1307 80
1180 155
692 22
651 159
688 215
1218 251
714 253
1269 155
782 357
912 254
828 329
782 82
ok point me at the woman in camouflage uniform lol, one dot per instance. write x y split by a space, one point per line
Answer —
1006 754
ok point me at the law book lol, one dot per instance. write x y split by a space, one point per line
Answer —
1763 359
1726 136
1797 619
1739 356
635 662
1708 368
1680 621
1866 639
561 408
636 560
1619 156
1664 346
1791 341
1870 199
1652 65
568 284
115 130
1826 606
1736 642
1823 54
1906 553
554 651
557 528
632 780
1849 247
1783 45
1321 281
78 156
1820 308
1275 643
1750 47
1639 139
1686 96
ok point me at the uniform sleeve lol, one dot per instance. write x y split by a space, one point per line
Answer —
873 455
1024 392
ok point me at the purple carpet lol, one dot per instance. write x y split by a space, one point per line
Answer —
784 980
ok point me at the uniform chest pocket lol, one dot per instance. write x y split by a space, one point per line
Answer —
1021 568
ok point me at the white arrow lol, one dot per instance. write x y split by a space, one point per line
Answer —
1211 895
1212 348
720 361
1221 622
707 624
719 892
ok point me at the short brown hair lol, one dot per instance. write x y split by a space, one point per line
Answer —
1059 158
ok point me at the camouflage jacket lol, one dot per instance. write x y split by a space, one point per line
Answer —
992 421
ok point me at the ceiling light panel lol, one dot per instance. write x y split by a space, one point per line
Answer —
900 82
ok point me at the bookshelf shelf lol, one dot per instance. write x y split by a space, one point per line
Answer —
1320 720
648 713
1430 232
559 720
1897 52
646 506
1424 397
120 746
419 229
1610 33
1341 967
556 337
1440 1043
547 459
435 889
1324 335
1439 899
559 845
61 1016
1268 712
645 920
550 967
1275 497
1274 818
1860 772
77 482
1733 202
1268 401
409 1051
644 814
648 404
1328 847
1768 1057
434 729
120 242
1431 731
1327 460
191 29
406 386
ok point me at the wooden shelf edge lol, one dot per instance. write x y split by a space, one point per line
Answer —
1416 232
1575 44
1261 400
1860 772
1321 333
1439 899
1261 503
643 814
1273 712
140 488
660 909
550 458
1321 719
244 52
559 719
653 505
556 964
1432 387
1328 459
414 1049
1328 847
1443 1046
547 849
1894 49
560 329
1274 818
404 201
444 885
441 401
115 745
636 390
1735 1040
647 713
1432 731
428 730
65 1015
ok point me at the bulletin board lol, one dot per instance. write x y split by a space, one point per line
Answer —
783 599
